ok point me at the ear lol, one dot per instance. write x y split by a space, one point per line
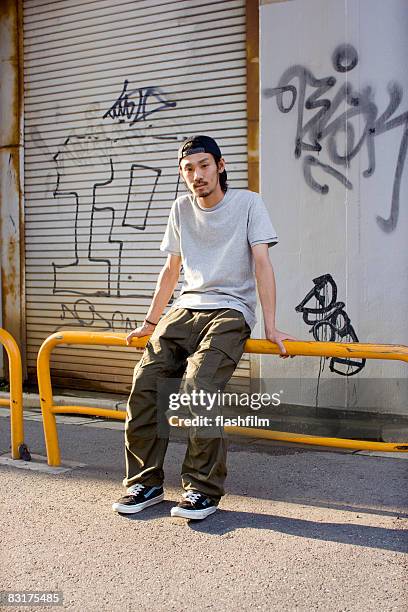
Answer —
221 165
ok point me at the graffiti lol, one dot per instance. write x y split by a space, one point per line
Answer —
127 110
110 200
106 205
127 215
330 122
90 211
98 138
84 314
330 322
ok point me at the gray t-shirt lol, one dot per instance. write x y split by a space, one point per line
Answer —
215 247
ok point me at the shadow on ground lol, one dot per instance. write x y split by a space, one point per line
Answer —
337 481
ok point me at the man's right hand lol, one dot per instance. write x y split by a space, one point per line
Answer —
146 329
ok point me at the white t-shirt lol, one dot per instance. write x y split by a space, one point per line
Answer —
215 247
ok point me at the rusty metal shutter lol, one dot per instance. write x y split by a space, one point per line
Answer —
110 91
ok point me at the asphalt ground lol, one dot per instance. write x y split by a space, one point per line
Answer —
299 529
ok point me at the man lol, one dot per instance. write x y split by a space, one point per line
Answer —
221 237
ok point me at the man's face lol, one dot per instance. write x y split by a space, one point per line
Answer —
201 173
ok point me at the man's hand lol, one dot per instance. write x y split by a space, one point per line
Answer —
146 329
274 335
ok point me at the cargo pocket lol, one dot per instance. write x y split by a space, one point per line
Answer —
229 334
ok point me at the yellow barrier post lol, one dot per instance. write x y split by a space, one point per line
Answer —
316 349
49 410
15 403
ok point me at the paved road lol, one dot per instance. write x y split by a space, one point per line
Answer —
299 530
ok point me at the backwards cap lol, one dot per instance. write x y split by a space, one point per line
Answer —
198 144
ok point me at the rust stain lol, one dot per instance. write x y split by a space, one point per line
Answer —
15 110
7 8
11 248
10 22
3 282
11 189
14 163
253 145
9 288
252 85
10 232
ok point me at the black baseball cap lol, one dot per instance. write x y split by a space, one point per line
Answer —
198 144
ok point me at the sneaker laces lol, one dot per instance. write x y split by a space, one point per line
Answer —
192 496
135 489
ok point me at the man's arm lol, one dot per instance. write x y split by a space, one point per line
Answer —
166 283
265 280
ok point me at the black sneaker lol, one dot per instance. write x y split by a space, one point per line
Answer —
138 497
195 505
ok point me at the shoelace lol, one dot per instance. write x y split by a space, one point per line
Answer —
135 489
192 497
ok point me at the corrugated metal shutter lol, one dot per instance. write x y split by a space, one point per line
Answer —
110 90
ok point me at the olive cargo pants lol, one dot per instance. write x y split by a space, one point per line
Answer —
207 345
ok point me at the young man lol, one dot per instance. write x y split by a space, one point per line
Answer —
221 237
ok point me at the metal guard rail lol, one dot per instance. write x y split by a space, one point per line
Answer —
15 401
316 349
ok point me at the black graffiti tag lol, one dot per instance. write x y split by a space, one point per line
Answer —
89 203
148 100
328 122
329 321
84 314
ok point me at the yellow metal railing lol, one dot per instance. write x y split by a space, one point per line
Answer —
316 349
15 401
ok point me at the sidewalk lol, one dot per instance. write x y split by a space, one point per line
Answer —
299 529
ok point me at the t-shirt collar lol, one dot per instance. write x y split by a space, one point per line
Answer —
223 201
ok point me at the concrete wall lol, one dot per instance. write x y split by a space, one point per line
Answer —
334 134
